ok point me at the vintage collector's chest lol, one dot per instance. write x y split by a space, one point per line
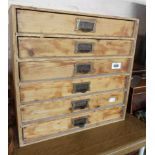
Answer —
71 70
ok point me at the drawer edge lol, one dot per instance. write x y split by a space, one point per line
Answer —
82 112
71 131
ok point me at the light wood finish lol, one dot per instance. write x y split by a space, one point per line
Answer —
54 69
45 22
42 129
15 72
43 41
115 139
131 65
72 58
52 47
47 109
54 89
69 36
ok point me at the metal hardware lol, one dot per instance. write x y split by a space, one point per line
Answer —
81 87
80 104
85 25
80 122
84 47
83 68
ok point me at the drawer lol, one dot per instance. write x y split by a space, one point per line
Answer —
37 130
35 91
56 47
47 109
71 68
56 23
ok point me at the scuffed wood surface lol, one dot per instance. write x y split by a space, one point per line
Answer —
51 47
45 22
41 129
47 109
64 69
54 89
118 139
41 41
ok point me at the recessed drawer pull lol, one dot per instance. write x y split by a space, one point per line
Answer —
80 122
83 47
85 25
81 87
83 68
80 104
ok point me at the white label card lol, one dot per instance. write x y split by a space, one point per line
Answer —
116 65
112 99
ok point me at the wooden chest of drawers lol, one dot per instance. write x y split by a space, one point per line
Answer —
71 71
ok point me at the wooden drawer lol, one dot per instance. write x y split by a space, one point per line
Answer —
37 130
71 68
47 109
56 23
30 47
35 91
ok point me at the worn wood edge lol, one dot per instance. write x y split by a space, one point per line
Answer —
73 78
136 28
73 13
71 131
23 104
84 112
128 148
72 36
72 58
13 46
131 65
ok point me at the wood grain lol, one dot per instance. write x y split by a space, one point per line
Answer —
54 69
44 41
116 139
47 109
14 68
53 89
132 63
45 22
41 129
51 47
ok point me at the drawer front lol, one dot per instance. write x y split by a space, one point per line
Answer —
47 109
37 130
52 47
54 23
64 69
35 91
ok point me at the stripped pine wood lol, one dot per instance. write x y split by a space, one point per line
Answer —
57 126
54 69
51 47
53 89
69 36
131 65
72 58
72 13
45 22
47 109
14 70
